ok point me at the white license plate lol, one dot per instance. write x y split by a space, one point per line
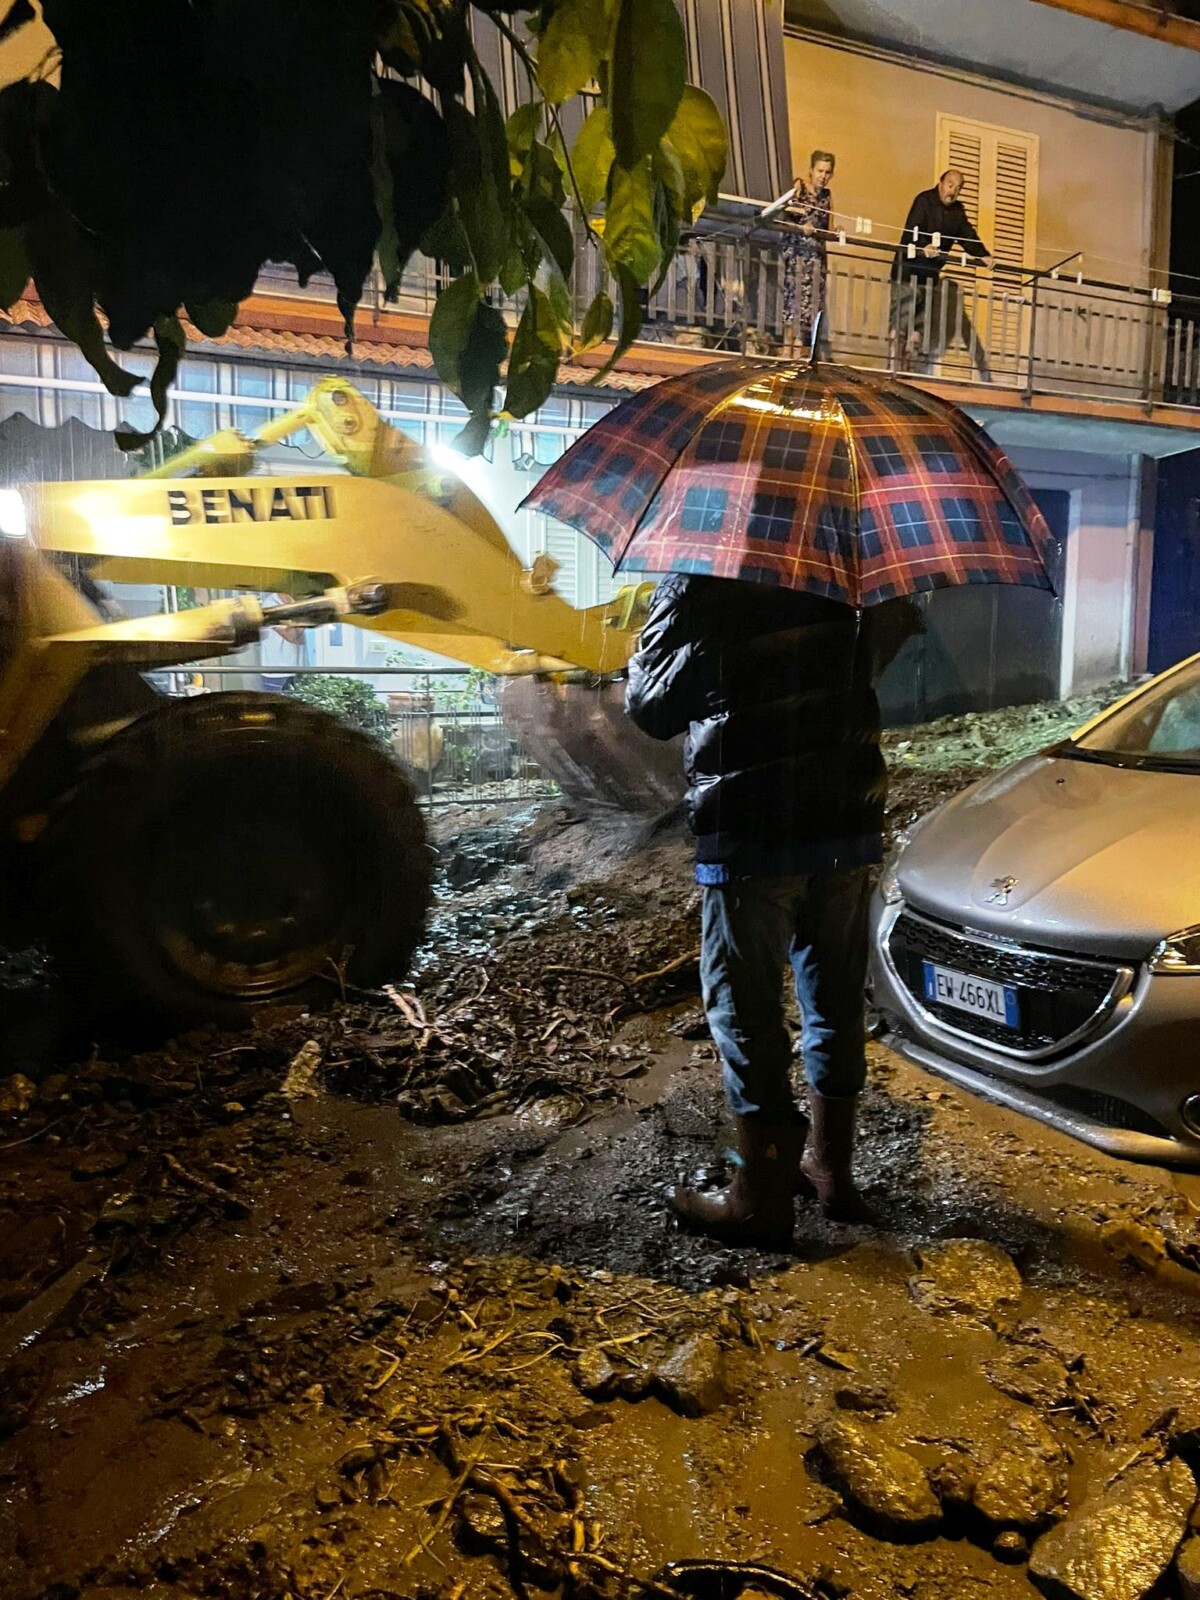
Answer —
982 998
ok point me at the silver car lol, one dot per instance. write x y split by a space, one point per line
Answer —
1037 938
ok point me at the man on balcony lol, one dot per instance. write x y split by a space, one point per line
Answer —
928 310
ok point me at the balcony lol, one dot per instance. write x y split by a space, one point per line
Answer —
1044 333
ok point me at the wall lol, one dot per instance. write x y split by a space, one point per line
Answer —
1101 576
1097 186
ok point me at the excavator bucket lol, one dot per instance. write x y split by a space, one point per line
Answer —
581 738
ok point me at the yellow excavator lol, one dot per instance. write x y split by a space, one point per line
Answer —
189 859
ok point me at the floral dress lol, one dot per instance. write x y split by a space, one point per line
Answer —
804 258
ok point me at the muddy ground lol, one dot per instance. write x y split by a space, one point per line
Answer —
389 1302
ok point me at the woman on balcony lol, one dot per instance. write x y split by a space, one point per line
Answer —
807 208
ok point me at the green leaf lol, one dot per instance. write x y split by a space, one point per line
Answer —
597 323
468 342
61 258
481 207
388 246
470 440
630 231
572 47
533 360
592 158
171 342
15 270
411 164
554 231
631 318
522 129
666 221
212 318
560 303
649 70
698 136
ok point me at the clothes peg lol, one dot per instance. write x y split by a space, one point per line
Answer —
936 240
912 252
841 235
866 227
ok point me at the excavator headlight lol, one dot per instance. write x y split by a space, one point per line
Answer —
14 524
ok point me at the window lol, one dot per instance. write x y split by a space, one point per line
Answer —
1000 193
1000 166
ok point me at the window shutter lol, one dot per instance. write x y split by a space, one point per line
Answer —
1014 204
964 150
1000 166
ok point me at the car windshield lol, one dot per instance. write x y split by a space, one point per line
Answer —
1161 728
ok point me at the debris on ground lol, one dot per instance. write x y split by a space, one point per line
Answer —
387 1301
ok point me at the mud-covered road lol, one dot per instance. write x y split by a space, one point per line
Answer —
388 1302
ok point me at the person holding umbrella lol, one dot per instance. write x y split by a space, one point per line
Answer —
795 509
774 688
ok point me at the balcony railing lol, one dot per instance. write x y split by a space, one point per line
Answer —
1042 332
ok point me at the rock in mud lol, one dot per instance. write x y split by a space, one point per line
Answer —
1024 1485
692 1379
967 1278
300 1082
1130 1240
1119 1543
595 1375
17 1094
1010 1547
1187 1570
877 1475
871 1400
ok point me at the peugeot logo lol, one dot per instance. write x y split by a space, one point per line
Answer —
1001 889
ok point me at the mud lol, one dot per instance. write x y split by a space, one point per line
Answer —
430 1330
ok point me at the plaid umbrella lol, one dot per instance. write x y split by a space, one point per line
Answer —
841 483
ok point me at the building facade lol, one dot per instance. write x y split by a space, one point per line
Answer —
1061 122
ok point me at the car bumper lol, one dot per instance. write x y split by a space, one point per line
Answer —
1119 1089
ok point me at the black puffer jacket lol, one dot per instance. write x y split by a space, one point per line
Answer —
776 689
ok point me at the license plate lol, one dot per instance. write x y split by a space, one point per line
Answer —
982 998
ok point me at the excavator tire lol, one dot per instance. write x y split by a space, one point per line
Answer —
231 850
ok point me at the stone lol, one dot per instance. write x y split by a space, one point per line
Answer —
872 1400
17 1094
1120 1542
1130 1240
1024 1484
300 1081
692 1379
595 1375
1034 1377
1187 1570
967 1278
885 1481
1011 1547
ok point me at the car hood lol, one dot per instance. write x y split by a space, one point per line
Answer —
1104 860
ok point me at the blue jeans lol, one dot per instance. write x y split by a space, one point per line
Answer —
751 928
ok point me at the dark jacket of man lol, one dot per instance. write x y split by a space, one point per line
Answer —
930 214
784 769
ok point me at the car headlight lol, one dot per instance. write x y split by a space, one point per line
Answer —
1178 955
889 879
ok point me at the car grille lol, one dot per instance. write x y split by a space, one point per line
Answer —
1056 995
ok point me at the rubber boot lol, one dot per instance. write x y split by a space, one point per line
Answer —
828 1157
758 1205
